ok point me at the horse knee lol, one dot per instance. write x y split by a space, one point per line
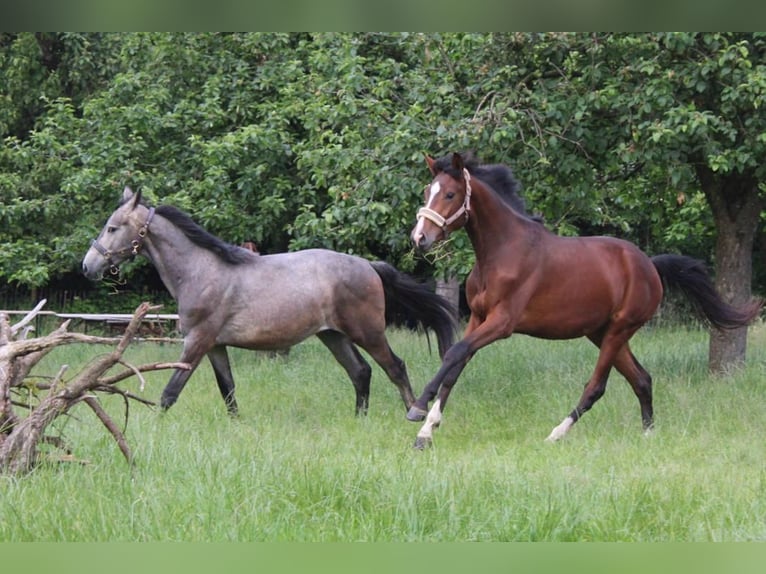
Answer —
360 377
595 394
591 394
456 353
645 383
399 369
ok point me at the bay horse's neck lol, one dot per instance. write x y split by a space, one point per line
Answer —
492 224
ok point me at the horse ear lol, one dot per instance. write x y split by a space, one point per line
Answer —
128 195
431 164
457 161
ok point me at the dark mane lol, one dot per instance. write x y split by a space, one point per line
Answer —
497 176
229 253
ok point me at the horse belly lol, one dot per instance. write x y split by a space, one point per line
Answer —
566 314
289 297
272 328
580 307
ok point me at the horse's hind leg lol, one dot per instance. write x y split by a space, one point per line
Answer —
640 380
610 342
219 359
351 360
394 368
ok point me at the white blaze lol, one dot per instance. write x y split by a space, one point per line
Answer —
433 192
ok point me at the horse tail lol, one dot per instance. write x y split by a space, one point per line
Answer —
689 276
408 301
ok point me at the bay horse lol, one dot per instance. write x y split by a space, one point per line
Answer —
528 280
230 296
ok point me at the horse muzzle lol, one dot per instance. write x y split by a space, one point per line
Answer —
423 241
96 262
92 272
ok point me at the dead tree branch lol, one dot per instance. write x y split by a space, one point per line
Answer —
21 436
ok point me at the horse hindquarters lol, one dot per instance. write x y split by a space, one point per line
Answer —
416 301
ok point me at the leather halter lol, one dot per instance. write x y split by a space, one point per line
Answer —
465 209
132 250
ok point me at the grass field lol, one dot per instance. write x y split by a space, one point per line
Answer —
298 466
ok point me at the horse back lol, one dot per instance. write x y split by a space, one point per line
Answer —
285 298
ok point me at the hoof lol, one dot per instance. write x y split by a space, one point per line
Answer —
416 414
422 443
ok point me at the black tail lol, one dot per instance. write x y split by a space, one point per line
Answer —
691 278
408 300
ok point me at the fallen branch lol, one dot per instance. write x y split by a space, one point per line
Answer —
21 436
111 427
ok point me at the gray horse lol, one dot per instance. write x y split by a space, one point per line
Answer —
229 296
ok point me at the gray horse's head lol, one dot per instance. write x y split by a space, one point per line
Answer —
121 238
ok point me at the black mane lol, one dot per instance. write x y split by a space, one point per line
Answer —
497 176
229 253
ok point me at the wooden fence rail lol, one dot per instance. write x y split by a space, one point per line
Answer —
153 324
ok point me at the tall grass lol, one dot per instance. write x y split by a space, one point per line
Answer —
298 466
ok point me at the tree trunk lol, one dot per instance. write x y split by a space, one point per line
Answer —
449 288
736 207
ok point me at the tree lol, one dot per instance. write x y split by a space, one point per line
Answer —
299 140
679 112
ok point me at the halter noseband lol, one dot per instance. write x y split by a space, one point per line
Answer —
465 209
133 249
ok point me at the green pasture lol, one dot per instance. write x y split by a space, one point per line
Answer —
298 466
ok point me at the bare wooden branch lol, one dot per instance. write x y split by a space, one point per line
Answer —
110 390
111 427
111 380
21 436
28 318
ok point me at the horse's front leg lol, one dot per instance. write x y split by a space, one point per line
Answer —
193 352
452 365
455 360
419 409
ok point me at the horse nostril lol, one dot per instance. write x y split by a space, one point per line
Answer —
421 241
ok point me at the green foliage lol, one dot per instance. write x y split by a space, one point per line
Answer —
300 140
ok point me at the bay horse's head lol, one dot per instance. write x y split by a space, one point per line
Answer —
448 202
121 238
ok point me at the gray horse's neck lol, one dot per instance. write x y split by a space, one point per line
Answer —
179 262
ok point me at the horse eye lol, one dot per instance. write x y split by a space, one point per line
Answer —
111 229
450 195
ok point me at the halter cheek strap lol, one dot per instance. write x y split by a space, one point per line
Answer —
133 249
465 209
